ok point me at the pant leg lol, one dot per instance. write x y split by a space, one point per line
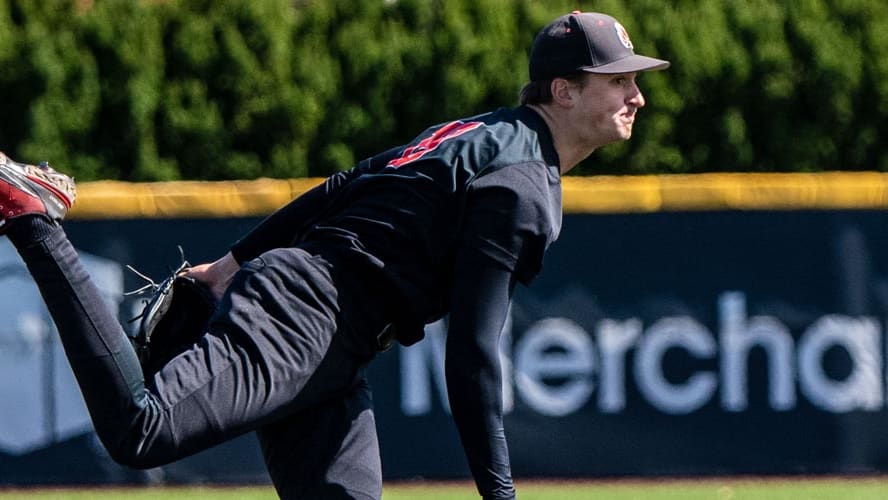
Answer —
230 382
328 452
104 364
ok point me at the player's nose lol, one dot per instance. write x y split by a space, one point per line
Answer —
635 97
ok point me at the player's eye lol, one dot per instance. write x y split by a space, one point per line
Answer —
623 80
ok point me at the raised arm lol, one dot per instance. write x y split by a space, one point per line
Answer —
283 226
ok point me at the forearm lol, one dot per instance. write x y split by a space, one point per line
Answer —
474 379
476 405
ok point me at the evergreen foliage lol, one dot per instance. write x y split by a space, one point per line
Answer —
147 90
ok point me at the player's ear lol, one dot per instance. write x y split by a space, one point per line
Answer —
562 94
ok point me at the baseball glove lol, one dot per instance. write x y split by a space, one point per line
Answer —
175 315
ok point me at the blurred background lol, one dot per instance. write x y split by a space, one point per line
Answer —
694 324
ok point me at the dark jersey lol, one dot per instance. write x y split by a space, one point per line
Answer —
446 224
491 182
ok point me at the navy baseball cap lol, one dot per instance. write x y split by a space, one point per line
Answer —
586 41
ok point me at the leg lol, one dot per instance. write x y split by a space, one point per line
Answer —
329 452
232 381
269 353
104 364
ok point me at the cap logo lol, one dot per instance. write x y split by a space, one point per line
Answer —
623 35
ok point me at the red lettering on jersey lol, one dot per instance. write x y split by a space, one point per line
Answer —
449 131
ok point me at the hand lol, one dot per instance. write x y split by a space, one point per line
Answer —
216 275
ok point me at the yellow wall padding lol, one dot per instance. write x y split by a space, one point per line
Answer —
766 191
602 194
184 199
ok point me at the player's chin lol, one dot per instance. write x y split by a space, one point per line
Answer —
617 134
625 133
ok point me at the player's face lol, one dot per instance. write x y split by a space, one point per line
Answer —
605 108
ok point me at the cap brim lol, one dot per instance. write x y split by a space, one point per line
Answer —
629 64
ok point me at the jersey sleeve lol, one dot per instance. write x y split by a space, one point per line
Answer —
512 214
479 306
283 226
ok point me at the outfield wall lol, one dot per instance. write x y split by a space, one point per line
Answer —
710 324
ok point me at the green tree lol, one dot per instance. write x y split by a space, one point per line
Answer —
201 89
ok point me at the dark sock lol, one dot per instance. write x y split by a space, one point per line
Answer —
29 229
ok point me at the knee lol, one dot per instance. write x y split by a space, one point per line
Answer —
139 445
132 453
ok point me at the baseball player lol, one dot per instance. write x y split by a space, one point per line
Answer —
447 224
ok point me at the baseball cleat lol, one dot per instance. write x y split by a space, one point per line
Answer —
33 189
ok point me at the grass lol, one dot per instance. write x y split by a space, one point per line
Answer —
866 488
870 488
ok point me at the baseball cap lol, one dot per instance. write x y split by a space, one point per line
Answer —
586 41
